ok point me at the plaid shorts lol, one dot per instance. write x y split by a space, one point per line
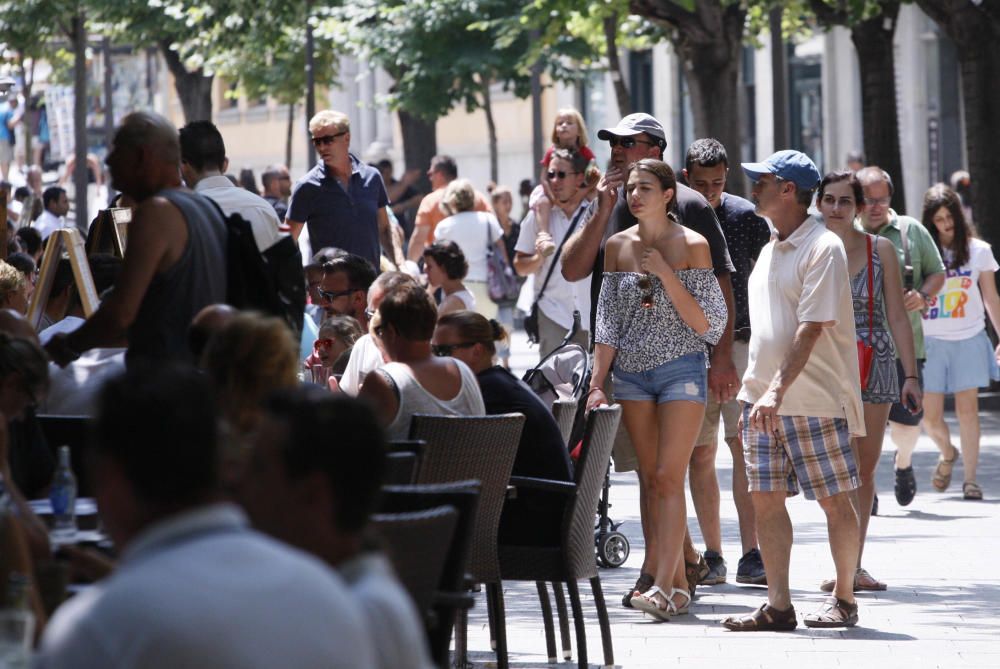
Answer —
812 452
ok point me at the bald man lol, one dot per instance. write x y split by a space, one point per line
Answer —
175 262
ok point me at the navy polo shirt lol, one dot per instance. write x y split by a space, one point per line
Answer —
346 219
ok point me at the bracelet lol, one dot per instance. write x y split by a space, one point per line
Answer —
911 377
592 389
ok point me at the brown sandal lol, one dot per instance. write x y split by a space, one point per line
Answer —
695 572
971 490
642 584
835 612
942 473
764 619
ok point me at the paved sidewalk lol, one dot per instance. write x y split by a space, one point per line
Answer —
938 556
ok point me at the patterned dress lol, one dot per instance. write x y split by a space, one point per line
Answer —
883 384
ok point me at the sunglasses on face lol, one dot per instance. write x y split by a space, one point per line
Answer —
322 343
442 350
552 174
627 142
331 295
328 139
646 286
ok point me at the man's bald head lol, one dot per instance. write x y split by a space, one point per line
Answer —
143 128
17 325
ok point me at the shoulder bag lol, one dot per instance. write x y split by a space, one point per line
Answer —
866 351
531 320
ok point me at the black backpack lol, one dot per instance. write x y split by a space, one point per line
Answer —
272 283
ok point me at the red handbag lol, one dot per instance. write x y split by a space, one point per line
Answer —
867 351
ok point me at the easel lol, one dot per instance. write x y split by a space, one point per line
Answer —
110 224
67 239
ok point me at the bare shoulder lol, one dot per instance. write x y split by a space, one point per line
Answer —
158 211
698 250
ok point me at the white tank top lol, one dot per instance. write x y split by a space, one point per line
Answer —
413 398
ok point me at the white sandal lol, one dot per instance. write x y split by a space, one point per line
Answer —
647 603
673 608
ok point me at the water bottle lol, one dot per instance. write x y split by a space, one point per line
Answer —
62 495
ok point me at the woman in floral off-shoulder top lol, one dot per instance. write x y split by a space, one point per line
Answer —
659 310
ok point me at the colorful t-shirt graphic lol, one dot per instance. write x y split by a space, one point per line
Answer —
957 312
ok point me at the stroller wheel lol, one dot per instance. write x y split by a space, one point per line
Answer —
612 549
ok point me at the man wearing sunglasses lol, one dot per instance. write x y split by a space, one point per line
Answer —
344 288
342 201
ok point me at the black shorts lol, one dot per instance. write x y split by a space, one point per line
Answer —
899 413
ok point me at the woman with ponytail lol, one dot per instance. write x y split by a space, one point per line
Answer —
471 338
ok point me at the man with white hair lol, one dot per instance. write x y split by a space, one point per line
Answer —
342 201
175 262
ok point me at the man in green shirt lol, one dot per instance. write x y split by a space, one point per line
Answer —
923 276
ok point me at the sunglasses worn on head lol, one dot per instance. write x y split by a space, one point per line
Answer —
328 139
552 174
628 142
442 350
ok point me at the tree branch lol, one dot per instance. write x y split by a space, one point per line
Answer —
829 16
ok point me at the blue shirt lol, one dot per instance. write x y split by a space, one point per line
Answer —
5 117
346 219
746 234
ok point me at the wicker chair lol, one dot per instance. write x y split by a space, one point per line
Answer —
400 468
573 557
452 594
483 448
417 544
564 411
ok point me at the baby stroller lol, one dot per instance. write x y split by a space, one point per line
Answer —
564 374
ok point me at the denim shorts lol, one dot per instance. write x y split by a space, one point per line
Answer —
952 366
683 378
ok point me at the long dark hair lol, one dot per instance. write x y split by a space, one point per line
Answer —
940 195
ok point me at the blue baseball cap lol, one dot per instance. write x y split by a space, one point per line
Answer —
789 165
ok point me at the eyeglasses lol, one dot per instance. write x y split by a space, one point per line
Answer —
878 201
552 174
331 295
369 314
328 139
628 142
442 350
322 343
646 286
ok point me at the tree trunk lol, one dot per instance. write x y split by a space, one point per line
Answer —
193 88
419 144
615 65
289 134
779 81
310 84
879 115
491 127
975 30
109 104
709 85
80 121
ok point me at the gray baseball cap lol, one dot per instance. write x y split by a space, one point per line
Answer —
634 124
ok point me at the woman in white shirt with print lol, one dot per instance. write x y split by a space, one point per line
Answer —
960 357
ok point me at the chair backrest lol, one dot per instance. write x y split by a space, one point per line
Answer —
564 411
400 468
69 431
464 497
406 445
578 525
473 447
417 544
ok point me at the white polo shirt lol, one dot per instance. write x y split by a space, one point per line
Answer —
255 209
805 279
561 297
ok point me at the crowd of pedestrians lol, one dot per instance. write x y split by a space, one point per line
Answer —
801 322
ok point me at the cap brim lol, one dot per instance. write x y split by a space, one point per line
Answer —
606 133
756 170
